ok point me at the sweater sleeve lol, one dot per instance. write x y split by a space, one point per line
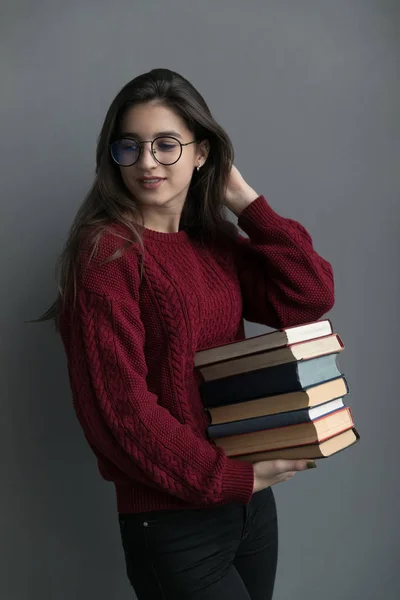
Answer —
283 280
123 420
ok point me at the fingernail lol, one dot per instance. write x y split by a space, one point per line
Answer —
311 464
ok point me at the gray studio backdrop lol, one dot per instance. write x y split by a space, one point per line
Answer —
309 92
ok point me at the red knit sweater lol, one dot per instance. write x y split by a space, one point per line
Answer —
130 347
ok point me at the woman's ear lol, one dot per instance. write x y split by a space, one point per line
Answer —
204 149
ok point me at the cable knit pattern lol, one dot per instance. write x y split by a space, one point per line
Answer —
131 345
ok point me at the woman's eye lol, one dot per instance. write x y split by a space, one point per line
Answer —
128 145
166 147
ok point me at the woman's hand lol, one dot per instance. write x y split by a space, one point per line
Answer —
238 193
270 472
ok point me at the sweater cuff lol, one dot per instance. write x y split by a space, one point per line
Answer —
238 481
258 216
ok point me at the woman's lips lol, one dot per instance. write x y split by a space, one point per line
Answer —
151 183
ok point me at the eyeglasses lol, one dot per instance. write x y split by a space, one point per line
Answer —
166 150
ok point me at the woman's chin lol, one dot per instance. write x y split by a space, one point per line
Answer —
149 200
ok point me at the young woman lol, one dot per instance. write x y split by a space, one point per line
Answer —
152 272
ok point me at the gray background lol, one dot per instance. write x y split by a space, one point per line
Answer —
309 92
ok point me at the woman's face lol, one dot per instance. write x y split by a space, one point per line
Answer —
145 122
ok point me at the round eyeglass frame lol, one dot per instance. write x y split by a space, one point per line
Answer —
140 144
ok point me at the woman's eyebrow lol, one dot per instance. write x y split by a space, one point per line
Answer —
160 133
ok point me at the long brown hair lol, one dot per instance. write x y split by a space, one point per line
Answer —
108 201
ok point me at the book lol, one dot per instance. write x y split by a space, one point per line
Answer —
312 432
278 379
282 419
295 352
329 447
270 405
267 341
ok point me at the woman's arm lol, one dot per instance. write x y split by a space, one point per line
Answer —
121 418
284 281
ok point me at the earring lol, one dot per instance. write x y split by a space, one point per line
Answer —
198 168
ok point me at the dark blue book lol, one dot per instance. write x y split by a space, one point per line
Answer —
293 417
278 379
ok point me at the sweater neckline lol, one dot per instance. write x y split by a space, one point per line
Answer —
161 236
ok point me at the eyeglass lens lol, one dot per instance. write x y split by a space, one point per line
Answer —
166 150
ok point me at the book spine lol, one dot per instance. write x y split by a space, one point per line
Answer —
292 453
250 386
280 379
235 366
249 409
202 358
294 417
237 452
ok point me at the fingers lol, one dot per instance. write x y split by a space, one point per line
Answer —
284 466
285 476
300 467
270 472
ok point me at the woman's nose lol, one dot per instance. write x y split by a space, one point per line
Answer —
146 156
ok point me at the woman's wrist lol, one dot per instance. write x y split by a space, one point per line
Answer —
241 200
256 481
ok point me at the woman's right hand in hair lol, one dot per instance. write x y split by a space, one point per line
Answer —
270 472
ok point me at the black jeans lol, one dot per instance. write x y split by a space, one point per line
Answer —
219 553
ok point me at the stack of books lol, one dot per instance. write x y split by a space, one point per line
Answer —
278 395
